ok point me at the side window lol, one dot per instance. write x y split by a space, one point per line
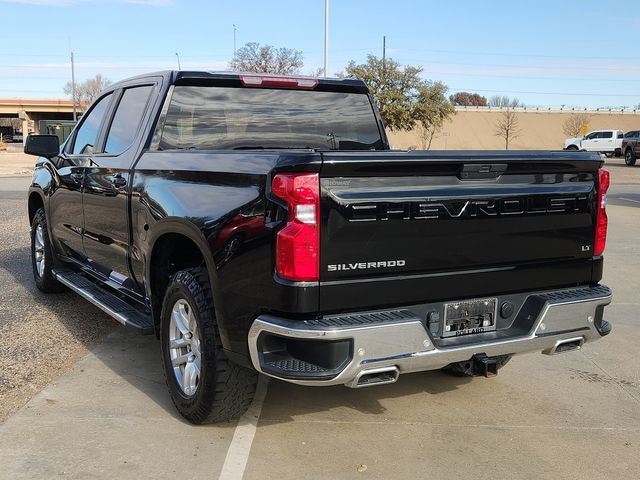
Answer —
606 134
127 119
619 134
87 135
591 136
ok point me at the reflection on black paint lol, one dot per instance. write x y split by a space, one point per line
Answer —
239 229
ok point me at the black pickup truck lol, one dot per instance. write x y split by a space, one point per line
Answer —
258 223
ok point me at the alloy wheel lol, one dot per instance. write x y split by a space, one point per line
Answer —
38 249
184 347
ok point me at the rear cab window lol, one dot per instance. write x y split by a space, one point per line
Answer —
221 117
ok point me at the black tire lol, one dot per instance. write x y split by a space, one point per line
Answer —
224 389
45 281
572 147
629 158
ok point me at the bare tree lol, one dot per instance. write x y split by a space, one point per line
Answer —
425 134
508 127
572 126
266 59
89 90
503 101
316 72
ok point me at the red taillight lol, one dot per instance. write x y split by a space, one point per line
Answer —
298 243
601 213
303 83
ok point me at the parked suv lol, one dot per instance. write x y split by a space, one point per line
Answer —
608 142
631 147
260 224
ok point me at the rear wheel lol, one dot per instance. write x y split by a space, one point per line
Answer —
42 255
204 385
629 157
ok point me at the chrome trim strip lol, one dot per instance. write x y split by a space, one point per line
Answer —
407 346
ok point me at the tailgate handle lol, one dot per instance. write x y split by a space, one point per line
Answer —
478 171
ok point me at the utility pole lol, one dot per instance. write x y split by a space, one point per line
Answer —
326 38
73 88
178 57
234 40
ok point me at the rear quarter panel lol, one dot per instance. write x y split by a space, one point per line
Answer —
213 198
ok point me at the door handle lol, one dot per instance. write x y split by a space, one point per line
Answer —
118 181
76 177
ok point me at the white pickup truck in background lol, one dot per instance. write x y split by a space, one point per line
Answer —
608 142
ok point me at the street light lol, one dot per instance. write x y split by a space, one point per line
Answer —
234 39
326 38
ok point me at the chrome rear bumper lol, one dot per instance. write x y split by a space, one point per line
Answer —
402 344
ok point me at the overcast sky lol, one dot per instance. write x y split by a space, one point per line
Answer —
546 53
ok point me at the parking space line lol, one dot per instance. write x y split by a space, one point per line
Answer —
238 453
629 200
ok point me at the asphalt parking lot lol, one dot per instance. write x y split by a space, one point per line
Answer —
81 397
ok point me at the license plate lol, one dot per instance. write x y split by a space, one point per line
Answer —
469 317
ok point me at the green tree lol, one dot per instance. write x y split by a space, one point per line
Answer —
266 59
431 111
395 90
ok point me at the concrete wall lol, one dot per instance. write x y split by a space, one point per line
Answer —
475 130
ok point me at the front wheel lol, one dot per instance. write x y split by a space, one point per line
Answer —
204 385
629 158
42 255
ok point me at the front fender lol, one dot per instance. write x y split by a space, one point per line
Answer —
42 184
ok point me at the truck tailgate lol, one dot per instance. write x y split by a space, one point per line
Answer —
408 227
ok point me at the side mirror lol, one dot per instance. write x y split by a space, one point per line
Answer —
47 146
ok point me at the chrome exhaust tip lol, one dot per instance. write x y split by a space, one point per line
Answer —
566 345
375 376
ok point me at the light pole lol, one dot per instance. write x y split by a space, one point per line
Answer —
178 57
326 38
73 88
234 39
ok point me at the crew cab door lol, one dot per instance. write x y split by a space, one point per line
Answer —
106 187
606 141
65 204
590 142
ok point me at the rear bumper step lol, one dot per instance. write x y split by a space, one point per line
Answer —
374 348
